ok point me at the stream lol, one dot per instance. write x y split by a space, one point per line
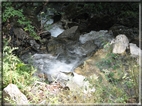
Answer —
66 50
64 57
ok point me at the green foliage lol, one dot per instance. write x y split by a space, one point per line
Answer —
10 12
14 70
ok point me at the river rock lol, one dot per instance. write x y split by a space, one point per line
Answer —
121 42
15 94
136 52
20 33
70 34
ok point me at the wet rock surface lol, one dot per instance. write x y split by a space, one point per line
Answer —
70 34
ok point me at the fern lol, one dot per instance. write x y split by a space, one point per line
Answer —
15 71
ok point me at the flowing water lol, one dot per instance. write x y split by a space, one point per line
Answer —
73 55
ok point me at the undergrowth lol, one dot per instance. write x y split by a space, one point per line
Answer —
15 71
118 82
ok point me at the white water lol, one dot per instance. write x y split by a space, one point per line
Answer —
92 35
54 68
55 72
50 65
56 30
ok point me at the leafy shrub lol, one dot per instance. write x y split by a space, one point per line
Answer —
14 70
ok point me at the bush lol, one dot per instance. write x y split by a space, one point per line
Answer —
14 70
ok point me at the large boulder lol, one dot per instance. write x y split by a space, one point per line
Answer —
70 34
57 45
14 94
134 50
121 42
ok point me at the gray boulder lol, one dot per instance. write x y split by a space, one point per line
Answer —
70 34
